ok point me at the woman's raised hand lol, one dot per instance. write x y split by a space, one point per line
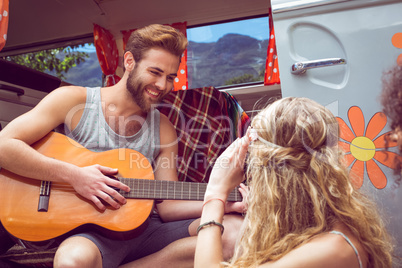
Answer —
228 170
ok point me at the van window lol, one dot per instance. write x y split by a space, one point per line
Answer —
76 64
222 54
228 53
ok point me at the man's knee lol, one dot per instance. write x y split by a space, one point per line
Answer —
77 252
232 224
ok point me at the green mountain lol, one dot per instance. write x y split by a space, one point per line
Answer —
233 55
208 64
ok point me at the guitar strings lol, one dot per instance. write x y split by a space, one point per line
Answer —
158 192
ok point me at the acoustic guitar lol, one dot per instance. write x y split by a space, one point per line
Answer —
35 210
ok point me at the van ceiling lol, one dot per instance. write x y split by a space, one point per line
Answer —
38 22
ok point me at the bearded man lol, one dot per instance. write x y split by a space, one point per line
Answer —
101 119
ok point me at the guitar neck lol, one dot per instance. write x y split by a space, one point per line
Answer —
173 190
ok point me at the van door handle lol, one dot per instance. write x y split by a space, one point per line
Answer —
302 66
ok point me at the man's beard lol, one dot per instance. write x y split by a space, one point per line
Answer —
136 89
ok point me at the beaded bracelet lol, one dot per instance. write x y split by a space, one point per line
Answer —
208 224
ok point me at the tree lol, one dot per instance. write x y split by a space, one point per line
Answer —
245 78
59 60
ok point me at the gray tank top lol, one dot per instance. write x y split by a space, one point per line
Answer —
94 133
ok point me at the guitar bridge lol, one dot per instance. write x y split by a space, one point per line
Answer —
43 204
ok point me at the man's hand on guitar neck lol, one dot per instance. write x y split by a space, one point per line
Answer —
94 184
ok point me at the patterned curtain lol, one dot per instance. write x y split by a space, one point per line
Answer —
108 55
181 82
271 69
3 22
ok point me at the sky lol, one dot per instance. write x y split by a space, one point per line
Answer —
87 48
257 28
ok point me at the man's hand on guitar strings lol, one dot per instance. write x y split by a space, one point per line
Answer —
96 185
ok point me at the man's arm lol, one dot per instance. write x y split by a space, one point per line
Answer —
17 156
165 169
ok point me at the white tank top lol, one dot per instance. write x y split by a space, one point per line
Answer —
94 133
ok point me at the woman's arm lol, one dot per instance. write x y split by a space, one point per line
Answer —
226 174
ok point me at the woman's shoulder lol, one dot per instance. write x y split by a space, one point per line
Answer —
324 250
339 249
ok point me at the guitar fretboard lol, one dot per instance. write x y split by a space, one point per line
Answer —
174 190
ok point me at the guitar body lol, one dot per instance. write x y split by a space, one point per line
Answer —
67 211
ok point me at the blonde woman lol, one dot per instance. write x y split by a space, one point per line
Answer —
302 209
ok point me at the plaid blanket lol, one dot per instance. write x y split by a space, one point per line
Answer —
207 121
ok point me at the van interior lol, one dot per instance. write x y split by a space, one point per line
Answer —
35 26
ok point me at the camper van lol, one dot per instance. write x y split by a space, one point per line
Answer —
332 51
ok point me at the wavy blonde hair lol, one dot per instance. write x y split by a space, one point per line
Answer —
300 189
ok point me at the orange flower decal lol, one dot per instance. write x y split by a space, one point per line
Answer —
397 42
363 149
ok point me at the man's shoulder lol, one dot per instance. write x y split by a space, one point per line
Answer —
72 91
164 121
71 95
75 89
